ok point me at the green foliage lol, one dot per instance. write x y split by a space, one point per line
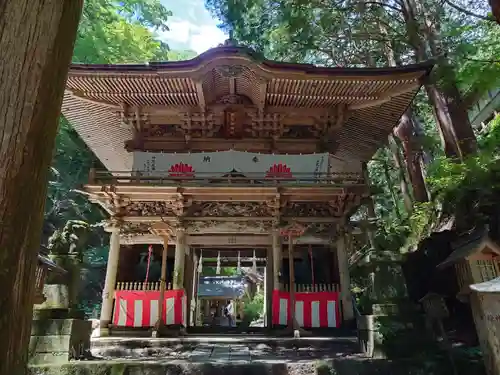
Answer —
119 32
453 182
254 307
467 190
224 271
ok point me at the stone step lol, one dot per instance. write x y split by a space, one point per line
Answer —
205 348
337 366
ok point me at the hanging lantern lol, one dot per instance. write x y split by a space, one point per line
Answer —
217 271
238 266
200 262
254 263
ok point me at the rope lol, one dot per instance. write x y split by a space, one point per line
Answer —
150 252
312 265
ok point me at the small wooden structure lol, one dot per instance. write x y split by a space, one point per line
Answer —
44 265
215 291
485 302
475 258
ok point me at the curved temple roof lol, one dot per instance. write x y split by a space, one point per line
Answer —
373 99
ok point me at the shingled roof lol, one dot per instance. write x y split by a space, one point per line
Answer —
375 97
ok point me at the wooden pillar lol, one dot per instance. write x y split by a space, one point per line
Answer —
345 280
269 287
188 271
108 294
180 255
163 286
291 272
276 259
193 303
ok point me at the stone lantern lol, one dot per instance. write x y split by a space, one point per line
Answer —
43 267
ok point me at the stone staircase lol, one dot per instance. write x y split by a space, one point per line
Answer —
229 348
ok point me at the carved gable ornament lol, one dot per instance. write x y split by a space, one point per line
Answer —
230 71
293 229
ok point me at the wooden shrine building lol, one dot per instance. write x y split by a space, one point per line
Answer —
229 152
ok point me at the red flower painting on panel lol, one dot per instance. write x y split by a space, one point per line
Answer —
181 170
279 171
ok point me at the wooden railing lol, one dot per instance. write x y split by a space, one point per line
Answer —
314 288
214 178
488 269
463 276
141 286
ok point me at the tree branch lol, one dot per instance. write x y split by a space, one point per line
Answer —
467 12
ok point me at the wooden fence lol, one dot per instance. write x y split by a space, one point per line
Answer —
137 285
301 288
141 286
165 178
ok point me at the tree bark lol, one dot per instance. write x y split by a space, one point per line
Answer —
495 9
403 183
405 132
36 40
451 115
390 186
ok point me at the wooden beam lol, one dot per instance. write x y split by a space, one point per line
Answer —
282 146
163 285
201 96
229 241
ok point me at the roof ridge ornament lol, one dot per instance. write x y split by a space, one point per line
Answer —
229 42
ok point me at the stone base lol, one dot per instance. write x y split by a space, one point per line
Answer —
56 341
392 336
348 366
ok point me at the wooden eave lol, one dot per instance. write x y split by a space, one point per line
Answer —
375 97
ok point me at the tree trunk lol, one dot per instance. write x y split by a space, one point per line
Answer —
390 186
36 40
495 9
405 128
451 115
405 132
403 183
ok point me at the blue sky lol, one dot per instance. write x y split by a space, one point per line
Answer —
191 26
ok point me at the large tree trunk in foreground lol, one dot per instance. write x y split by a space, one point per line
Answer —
36 40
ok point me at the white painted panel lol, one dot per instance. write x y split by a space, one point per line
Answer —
213 164
138 310
283 312
315 321
122 317
153 312
170 311
332 317
299 312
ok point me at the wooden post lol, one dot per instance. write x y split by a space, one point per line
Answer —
163 286
108 293
345 281
276 259
291 272
180 256
37 39
269 287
